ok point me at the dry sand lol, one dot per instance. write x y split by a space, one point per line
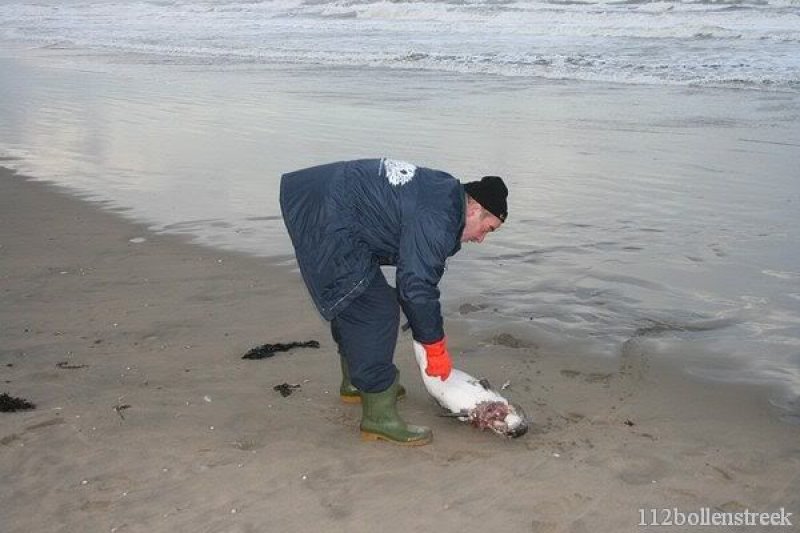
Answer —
207 445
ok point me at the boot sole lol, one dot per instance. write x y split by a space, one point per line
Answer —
372 437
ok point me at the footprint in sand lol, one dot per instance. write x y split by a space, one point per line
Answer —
633 368
592 377
549 515
638 470
509 341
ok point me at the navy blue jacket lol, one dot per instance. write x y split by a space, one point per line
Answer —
346 219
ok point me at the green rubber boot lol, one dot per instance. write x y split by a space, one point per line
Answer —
380 421
350 394
347 391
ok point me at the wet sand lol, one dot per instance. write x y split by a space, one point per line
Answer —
148 420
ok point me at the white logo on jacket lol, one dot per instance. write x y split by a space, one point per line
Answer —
398 172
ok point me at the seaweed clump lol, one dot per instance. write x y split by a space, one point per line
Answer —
11 404
286 389
268 350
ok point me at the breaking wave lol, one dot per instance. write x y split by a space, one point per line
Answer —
707 42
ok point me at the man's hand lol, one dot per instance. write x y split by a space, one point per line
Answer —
439 362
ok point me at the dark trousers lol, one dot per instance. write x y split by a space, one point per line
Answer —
366 333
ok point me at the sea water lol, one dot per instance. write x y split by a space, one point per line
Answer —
706 42
652 149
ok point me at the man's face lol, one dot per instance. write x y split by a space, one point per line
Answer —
479 222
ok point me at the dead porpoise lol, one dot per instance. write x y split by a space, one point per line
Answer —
473 400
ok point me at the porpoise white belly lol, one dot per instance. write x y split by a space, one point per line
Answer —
472 399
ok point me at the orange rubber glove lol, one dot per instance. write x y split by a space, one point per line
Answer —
439 362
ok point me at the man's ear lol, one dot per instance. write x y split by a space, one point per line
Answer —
473 207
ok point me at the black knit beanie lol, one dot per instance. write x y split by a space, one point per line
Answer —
491 193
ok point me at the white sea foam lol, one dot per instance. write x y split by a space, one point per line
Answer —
716 42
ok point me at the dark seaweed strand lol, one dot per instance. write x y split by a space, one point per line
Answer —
10 404
268 350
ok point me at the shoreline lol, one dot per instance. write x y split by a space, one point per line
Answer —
159 325
626 217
